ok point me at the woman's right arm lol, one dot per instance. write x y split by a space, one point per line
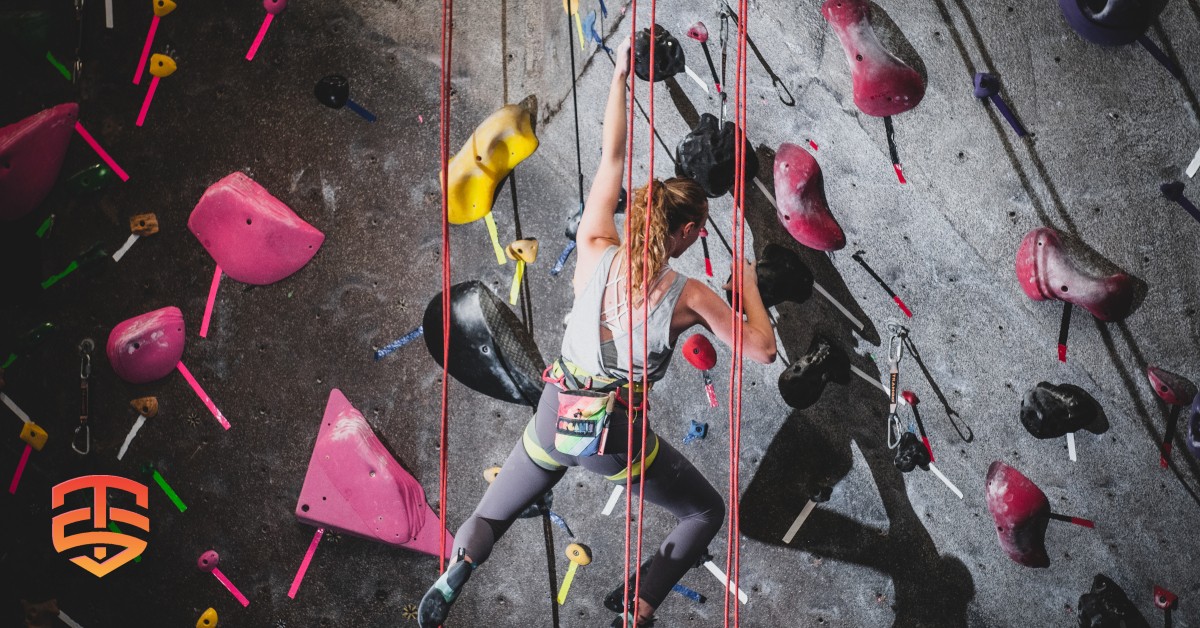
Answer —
758 335
598 226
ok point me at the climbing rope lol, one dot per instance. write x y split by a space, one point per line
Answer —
447 35
738 235
630 604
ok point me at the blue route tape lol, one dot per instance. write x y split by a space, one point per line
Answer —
562 259
684 591
399 342
562 523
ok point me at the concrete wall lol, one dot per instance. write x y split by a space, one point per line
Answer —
1109 125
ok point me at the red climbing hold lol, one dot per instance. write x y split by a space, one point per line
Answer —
354 485
883 84
1022 513
1046 270
1172 388
699 352
800 196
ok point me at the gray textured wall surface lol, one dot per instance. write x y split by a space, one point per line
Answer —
1109 125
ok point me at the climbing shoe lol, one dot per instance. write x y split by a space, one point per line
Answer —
615 601
435 605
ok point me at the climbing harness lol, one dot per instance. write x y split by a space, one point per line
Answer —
83 433
895 354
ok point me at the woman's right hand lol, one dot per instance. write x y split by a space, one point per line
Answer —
749 275
623 57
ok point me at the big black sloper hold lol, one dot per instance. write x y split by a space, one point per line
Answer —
911 453
781 277
706 155
668 55
1107 606
1049 411
802 382
490 350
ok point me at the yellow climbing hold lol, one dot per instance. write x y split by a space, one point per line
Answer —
161 65
208 619
163 7
33 434
503 140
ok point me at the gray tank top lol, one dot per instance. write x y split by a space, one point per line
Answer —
582 345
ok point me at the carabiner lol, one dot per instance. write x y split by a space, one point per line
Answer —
87 439
896 344
894 431
86 346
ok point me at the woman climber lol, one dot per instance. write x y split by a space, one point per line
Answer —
596 357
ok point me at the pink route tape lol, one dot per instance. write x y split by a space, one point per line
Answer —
312 549
146 103
87 137
212 298
262 32
212 407
12 488
229 585
141 69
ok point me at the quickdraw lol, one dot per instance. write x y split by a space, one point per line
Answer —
83 433
895 354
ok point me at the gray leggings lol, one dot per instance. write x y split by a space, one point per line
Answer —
671 481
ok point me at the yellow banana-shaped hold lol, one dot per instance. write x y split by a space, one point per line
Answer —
571 7
490 474
503 140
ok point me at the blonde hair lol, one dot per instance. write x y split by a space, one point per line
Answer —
673 203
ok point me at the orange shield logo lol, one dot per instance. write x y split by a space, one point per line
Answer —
99 538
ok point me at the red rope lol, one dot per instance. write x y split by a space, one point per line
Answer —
645 310
733 545
629 298
444 140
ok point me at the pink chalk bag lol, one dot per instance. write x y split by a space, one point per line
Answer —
583 411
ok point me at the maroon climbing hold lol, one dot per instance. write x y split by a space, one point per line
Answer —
253 236
31 155
146 348
1021 512
1047 271
800 200
354 485
883 84
1172 388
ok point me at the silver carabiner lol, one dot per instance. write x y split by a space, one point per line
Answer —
87 439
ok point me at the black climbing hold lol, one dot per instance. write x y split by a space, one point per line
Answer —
803 381
490 350
706 155
333 91
911 453
1107 606
1111 22
1049 411
781 277
668 55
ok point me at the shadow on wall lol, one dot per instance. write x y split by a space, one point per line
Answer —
807 454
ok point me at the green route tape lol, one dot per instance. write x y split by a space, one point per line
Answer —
62 69
169 491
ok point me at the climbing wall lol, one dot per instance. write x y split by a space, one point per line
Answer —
1106 127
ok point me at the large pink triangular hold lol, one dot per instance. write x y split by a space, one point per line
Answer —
31 155
355 486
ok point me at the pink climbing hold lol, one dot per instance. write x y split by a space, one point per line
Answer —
1021 512
699 32
253 236
31 155
1172 388
800 197
146 348
355 486
1046 270
883 84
